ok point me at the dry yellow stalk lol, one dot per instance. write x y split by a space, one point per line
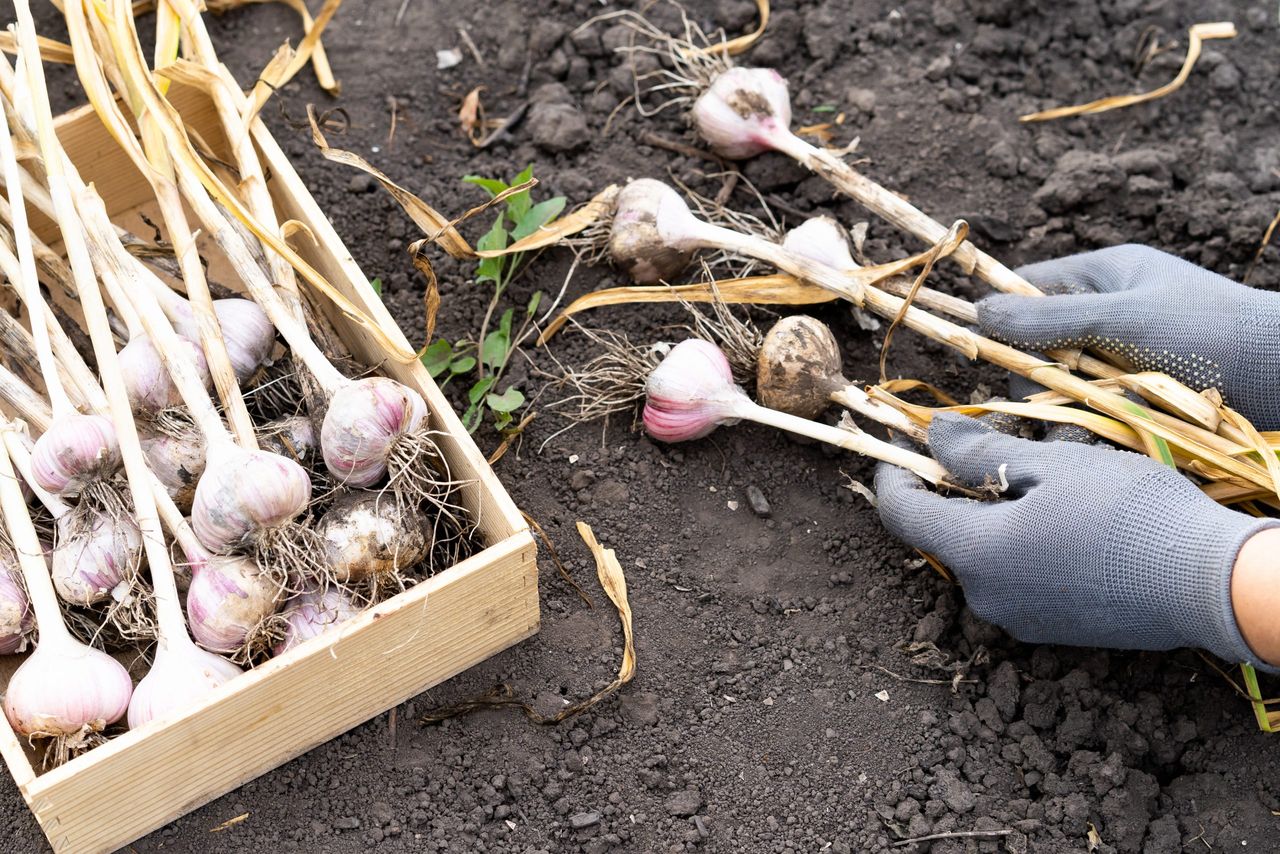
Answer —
1196 37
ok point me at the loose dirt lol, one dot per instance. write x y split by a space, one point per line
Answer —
794 689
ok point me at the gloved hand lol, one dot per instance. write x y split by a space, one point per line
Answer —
1088 546
1158 312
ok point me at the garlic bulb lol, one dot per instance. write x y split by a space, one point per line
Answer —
821 239
76 451
66 690
16 616
246 331
798 367
366 420
146 379
370 535
293 437
177 463
743 112
244 494
649 235
181 675
95 553
312 613
690 393
228 599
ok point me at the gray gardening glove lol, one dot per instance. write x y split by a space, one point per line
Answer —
1158 312
1088 546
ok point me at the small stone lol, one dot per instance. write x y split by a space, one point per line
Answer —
684 803
361 184
759 504
581 479
558 127
584 819
347 823
864 100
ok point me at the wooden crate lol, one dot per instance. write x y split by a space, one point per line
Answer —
148 777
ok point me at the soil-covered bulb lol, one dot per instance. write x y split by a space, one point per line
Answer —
743 112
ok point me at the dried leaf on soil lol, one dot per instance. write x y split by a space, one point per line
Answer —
1196 36
735 46
592 212
471 116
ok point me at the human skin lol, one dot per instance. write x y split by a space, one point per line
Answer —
1255 594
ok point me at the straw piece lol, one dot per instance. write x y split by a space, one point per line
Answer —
1196 37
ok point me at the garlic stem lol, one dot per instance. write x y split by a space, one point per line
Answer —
841 437
28 280
29 406
853 398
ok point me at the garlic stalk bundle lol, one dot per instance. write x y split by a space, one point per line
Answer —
692 392
314 612
16 617
798 371
369 536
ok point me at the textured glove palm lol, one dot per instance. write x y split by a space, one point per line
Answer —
1088 546
1160 313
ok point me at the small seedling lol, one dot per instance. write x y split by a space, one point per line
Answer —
486 357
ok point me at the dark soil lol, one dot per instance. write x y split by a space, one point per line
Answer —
777 706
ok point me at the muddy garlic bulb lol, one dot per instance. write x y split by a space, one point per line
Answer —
369 535
366 422
181 675
16 616
798 367
690 393
648 236
243 495
147 381
744 112
96 553
177 463
312 613
227 600
74 453
246 331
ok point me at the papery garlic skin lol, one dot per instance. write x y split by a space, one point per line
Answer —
371 535
365 419
245 493
311 614
823 240
651 237
151 390
76 451
16 615
65 687
180 677
177 462
93 555
228 598
293 437
690 393
743 112
247 333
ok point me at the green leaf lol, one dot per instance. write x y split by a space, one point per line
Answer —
376 284
462 365
519 204
477 392
502 420
490 269
491 185
825 108
534 302
504 325
494 350
509 401
538 216
436 357
471 418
